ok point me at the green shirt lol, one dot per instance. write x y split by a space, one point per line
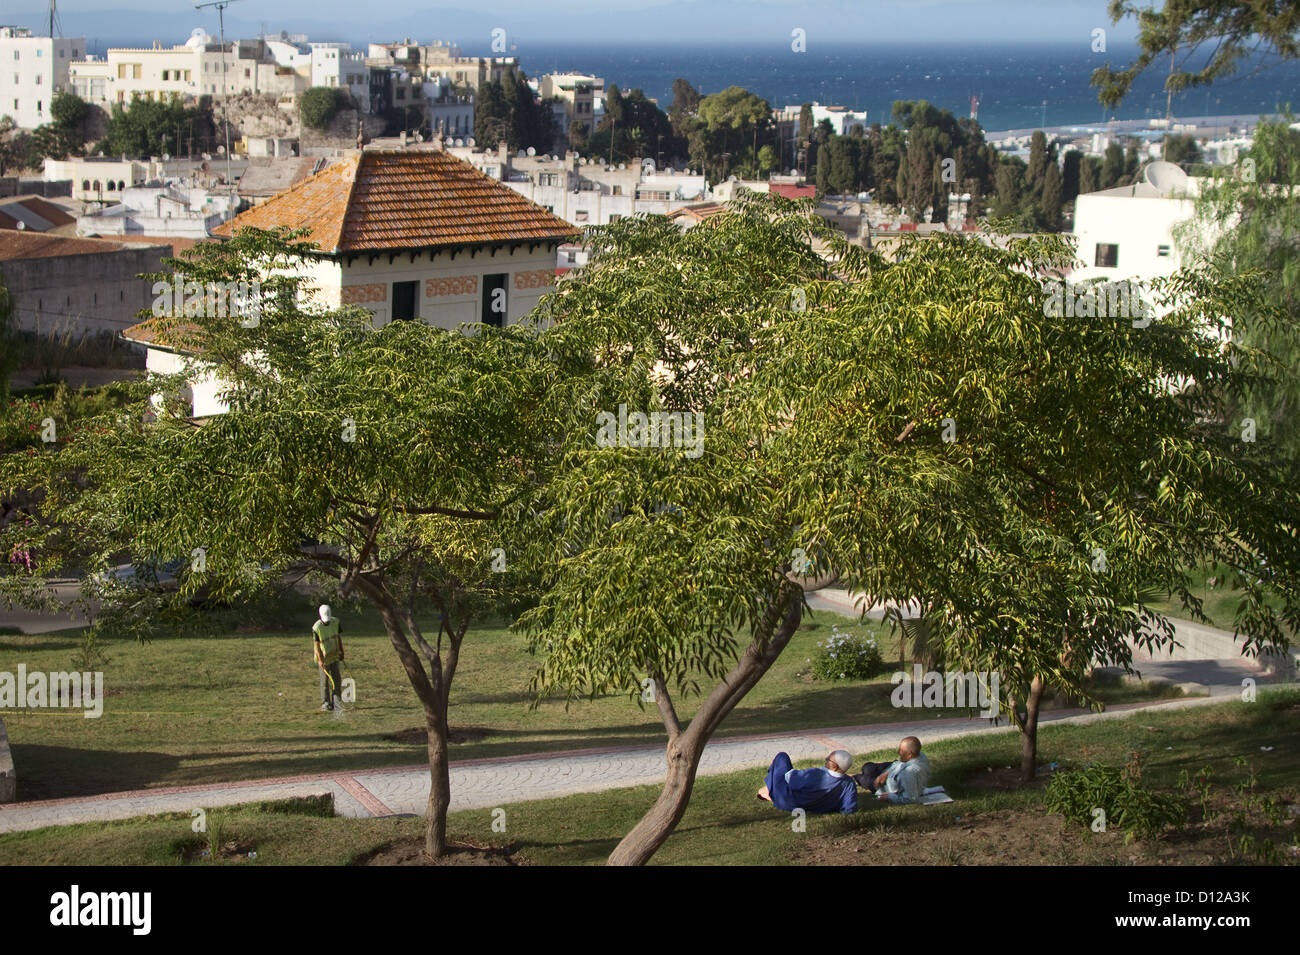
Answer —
328 635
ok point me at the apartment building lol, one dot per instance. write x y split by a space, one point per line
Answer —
578 92
198 67
442 60
32 70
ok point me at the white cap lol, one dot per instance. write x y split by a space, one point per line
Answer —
842 759
325 613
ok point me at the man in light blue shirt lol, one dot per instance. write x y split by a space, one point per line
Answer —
902 781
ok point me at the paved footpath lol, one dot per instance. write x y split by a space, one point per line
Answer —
488 783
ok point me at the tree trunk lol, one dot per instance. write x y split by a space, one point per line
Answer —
1029 732
658 824
686 747
435 814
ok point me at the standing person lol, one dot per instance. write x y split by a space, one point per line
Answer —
327 647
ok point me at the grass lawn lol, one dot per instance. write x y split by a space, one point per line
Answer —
1219 600
991 822
244 705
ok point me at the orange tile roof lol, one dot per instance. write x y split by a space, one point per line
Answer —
41 245
152 331
384 200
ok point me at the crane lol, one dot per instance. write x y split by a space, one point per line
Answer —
221 27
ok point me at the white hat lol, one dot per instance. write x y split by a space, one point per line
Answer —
842 759
325 613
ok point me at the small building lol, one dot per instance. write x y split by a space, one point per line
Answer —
70 284
1128 232
410 234
173 209
96 178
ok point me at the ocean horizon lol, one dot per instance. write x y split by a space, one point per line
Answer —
1019 85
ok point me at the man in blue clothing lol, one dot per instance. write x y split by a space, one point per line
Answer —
902 781
814 790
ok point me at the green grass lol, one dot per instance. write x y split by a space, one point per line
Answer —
245 705
726 825
1219 601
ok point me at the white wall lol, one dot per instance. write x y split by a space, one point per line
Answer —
32 70
1139 226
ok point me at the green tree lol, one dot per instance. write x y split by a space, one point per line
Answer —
1247 219
152 127
1181 150
1112 167
1229 30
1037 161
1051 199
368 454
1071 175
670 565
491 116
318 106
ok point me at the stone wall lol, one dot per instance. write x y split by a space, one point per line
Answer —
95 292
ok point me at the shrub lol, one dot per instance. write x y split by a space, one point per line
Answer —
319 105
846 656
1077 794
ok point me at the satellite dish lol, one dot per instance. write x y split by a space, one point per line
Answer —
470 141
648 163
460 142
167 157
622 165
521 154
532 151
21 225
1165 176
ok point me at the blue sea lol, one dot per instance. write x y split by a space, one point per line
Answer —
1018 86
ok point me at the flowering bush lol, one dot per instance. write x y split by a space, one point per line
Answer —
846 656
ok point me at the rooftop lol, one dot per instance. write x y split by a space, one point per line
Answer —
381 200
16 245
34 213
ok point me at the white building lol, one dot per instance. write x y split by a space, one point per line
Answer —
32 70
198 67
335 65
842 119
1128 232
412 234
578 93
169 211
96 178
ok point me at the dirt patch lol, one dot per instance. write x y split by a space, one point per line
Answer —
1005 779
1224 831
419 736
991 838
411 852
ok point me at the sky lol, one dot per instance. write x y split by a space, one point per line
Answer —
729 22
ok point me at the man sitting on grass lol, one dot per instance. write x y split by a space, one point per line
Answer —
813 790
902 781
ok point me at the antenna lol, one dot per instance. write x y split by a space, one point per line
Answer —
221 25
54 16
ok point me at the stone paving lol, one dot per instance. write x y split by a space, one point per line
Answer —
489 783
